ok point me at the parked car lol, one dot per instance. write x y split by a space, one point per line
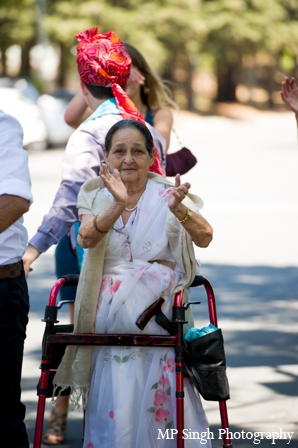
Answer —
13 102
41 116
52 108
23 85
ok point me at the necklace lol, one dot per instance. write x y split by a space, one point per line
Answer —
131 209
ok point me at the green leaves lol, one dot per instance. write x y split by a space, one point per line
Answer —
121 360
172 35
169 425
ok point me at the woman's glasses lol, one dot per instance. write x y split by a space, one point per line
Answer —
126 252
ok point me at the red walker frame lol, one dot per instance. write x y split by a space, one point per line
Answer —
50 338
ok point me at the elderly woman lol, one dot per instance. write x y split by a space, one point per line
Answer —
138 228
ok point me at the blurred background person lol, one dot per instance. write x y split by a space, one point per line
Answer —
145 88
153 99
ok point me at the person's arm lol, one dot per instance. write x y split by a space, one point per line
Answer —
15 183
199 229
77 111
30 255
289 94
94 228
163 123
11 209
81 162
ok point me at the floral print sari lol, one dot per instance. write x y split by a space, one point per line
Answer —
132 397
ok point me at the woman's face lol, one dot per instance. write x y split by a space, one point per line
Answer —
128 154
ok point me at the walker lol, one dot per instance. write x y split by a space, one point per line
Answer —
62 335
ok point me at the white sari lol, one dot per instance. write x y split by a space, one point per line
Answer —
132 393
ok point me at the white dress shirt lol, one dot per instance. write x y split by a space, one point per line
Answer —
14 180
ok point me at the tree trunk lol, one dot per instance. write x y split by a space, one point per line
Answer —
63 65
271 84
25 69
189 89
3 60
226 83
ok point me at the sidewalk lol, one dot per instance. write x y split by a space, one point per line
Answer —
247 177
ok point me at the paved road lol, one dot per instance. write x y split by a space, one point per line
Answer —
247 176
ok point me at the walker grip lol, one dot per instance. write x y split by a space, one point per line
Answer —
71 279
152 310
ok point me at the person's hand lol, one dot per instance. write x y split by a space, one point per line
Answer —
136 76
289 94
114 184
29 256
178 194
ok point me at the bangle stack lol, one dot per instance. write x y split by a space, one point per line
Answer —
96 228
186 217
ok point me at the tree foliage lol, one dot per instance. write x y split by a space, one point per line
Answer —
170 34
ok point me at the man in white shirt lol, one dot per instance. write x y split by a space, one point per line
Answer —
15 199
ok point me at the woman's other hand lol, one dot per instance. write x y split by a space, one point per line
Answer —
198 228
114 184
178 194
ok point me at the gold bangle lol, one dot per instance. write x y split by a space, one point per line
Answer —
95 226
186 217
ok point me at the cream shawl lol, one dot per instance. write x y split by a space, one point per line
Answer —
74 370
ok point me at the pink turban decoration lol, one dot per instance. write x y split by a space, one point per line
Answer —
103 59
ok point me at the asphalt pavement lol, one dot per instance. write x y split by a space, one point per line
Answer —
247 176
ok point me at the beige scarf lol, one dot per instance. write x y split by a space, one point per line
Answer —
75 368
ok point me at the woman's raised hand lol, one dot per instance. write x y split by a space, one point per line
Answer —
136 76
178 194
289 94
114 184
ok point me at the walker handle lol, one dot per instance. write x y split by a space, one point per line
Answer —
71 279
152 310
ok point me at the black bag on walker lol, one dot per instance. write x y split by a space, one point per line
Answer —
205 364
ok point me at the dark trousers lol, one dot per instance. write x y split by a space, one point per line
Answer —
14 308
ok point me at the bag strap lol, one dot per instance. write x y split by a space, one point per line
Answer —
177 136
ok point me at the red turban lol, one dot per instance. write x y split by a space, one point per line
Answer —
104 60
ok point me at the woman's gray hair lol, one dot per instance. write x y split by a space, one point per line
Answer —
126 124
